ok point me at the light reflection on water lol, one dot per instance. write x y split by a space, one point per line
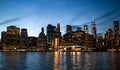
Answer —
59 61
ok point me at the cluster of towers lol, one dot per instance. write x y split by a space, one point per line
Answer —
14 38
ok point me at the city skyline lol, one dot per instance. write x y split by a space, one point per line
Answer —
35 14
16 38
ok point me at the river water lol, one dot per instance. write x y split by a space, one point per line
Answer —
59 60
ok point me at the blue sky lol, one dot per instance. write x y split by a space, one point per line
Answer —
34 14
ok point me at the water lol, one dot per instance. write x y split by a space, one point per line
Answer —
60 61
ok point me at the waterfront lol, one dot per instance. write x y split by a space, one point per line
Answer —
59 61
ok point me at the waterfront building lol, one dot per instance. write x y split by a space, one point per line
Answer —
86 34
50 30
68 35
32 42
42 41
68 28
86 29
116 34
23 38
78 37
94 32
3 39
91 41
56 37
110 38
100 42
13 37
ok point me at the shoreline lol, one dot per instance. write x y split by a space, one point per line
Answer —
62 51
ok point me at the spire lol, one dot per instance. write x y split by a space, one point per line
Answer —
58 26
42 30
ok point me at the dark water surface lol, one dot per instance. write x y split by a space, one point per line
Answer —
60 61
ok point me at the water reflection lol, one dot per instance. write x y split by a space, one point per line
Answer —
56 60
59 61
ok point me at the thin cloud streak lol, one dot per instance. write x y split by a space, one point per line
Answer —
10 20
103 16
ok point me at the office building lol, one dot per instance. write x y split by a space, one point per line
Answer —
116 34
23 38
13 37
42 41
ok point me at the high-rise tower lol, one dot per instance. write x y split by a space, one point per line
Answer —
24 32
86 29
116 29
50 30
23 38
68 28
93 28
58 27
94 32
13 37
116 34
3 39
42 40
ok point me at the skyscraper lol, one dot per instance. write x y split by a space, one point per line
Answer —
116 29
116 33
24 32
93 32
68 28
110 38
58 27
100 43
86 29
56 37
68 35
23 38
3 39
13 37
42 41
93 29
49 33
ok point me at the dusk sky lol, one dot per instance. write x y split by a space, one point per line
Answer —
34 14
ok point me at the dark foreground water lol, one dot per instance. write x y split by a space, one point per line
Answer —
60 61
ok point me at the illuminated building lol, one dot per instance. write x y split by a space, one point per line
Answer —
23 38
106 39
68 35
91 41
50 30
3 39
110 38
68 28
86 41
94 32
78 37
42 41
100 41
116 29
56 38
32 42
13 37
86 29
93 29
58 27
116 34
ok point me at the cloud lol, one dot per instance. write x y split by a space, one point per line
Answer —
11 20
108 14
78 15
